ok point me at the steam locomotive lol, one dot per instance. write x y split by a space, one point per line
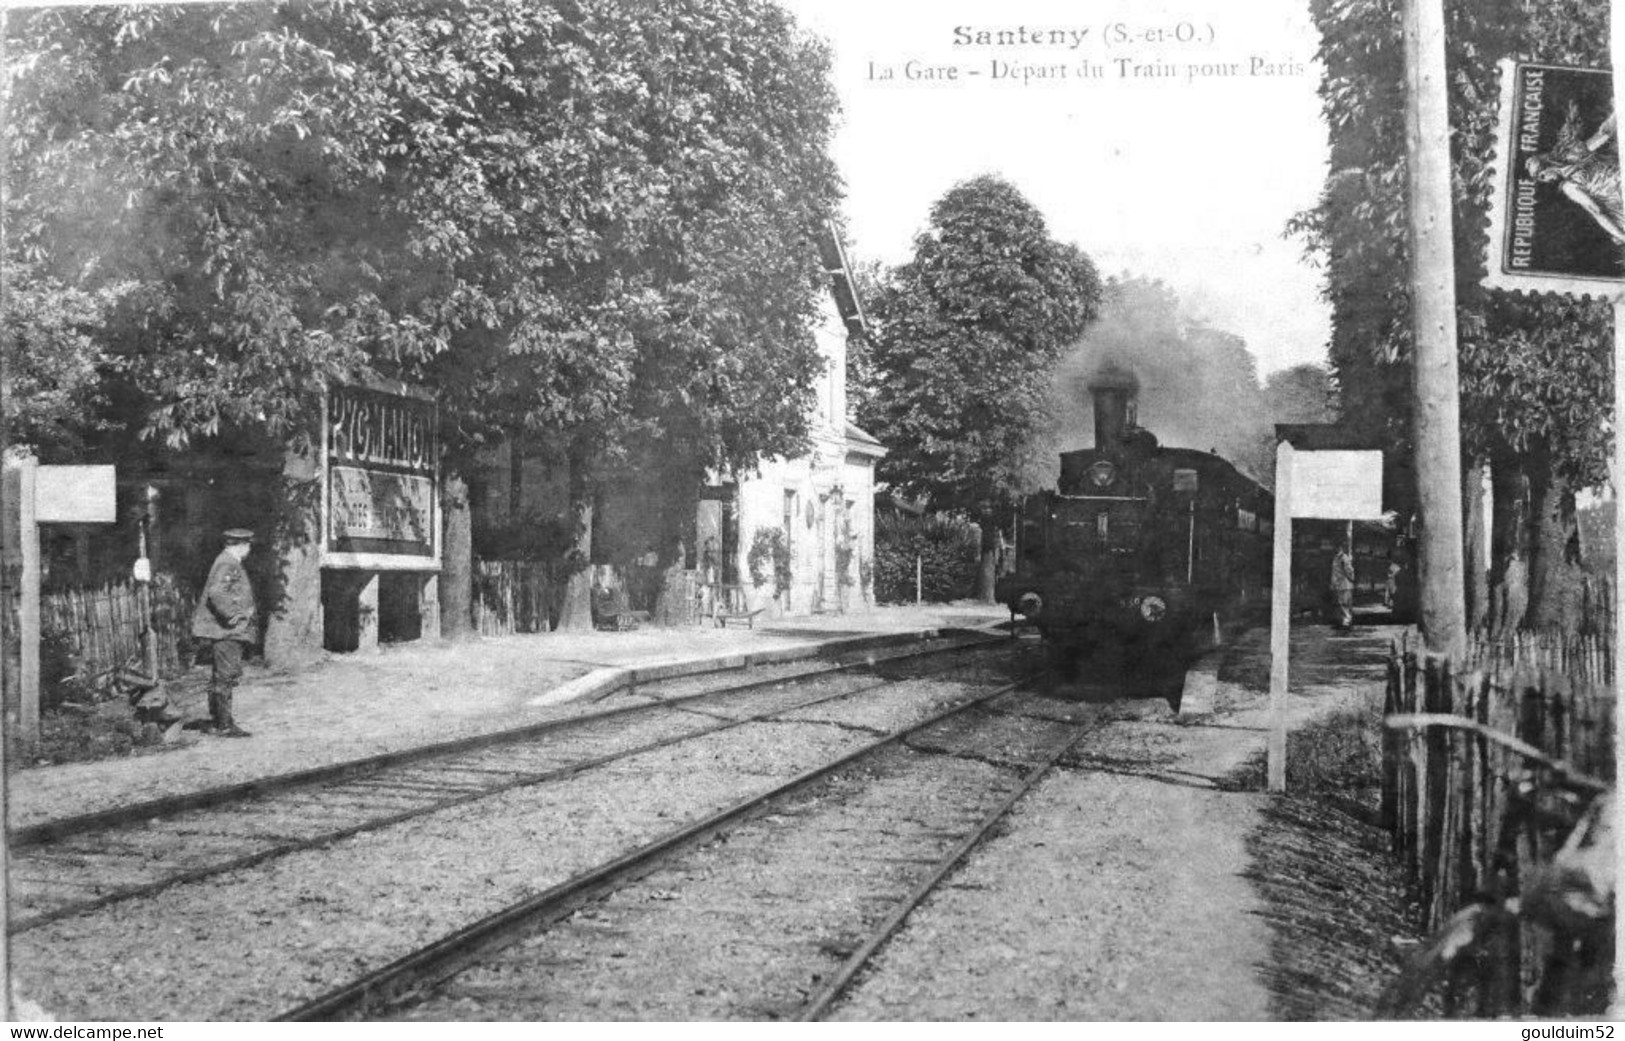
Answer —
1141 553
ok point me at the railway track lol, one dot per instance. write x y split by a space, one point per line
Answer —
867 810
77 865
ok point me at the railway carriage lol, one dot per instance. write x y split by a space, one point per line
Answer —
1140 552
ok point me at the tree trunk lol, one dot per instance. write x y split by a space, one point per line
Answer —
457 563
575 613
516 477
987 573
293 630
1477 534
679 511
1555 589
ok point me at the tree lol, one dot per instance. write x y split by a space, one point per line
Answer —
55 389
1536 381
1301 394
589 225
967 334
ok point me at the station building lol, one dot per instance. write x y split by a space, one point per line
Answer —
822 504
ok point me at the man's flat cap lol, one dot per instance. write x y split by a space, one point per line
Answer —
239 535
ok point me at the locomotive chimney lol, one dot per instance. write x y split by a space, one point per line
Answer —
1114 408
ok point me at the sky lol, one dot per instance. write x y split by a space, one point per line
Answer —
1183 159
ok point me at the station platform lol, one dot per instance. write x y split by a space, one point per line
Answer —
352 706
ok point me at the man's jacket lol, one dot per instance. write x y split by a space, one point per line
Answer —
226 610
1342 573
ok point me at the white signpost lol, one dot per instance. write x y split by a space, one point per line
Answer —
36 495
1324 485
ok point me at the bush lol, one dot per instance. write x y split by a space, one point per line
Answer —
949 551
1340 752
769 556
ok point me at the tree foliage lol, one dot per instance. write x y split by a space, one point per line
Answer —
1302 394
58 361
591 220
966 336
1536 374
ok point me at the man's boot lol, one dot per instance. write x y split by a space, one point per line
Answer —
209 725
227 727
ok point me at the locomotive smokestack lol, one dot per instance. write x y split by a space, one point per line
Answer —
1114 393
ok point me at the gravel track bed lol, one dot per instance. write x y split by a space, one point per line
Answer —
887 708
315 918
1072 910
154 848
413 696
898 656
781 698
410 703
998 738
753 920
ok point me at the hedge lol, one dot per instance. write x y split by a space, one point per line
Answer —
948 549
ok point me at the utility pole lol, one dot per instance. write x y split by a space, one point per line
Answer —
1435 396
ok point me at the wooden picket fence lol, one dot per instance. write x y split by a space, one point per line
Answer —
98 630
1596 607
511 596
1446 789
517 596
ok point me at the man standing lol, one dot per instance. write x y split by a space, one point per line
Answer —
1343 588
227 619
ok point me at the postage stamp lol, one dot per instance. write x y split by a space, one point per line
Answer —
1557 224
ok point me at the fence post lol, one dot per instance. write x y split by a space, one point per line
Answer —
1435 783
1387 815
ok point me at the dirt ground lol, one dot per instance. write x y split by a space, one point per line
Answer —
1145 882
356 705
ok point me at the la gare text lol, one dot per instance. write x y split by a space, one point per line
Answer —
1024 73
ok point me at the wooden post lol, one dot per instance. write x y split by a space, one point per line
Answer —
367 612
21 554
456 586
1435 395
1280 616
143 586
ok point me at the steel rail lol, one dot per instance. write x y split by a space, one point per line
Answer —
167 805
450 954
882 933
26 922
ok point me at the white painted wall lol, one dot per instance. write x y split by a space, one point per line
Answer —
821 484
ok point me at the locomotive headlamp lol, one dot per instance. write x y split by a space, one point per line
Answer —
1029 604
1152 608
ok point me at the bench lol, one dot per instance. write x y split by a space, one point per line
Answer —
748 617
732 606
622 621
610 611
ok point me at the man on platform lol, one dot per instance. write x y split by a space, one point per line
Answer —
227 620
1343 589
